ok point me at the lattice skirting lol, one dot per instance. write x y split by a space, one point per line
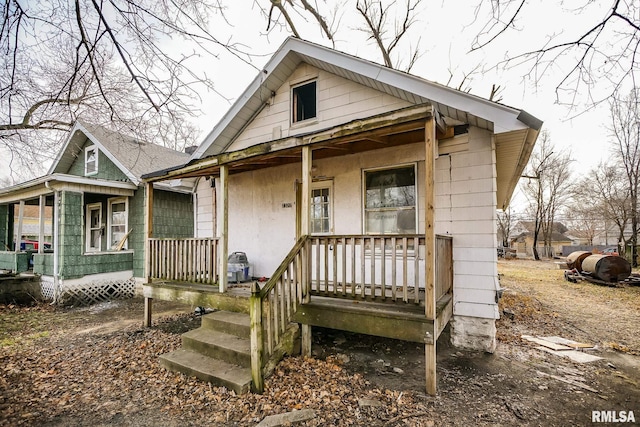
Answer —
88 292
48 288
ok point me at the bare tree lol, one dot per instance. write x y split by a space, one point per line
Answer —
611 192
603 53
584 214
505 225
625 133
546 188
384 22
107 61
376 17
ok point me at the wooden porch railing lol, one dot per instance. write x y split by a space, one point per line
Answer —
378 268
184 260
341 266
273 306
444 266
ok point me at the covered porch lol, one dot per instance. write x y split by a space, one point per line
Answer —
390 284
71 239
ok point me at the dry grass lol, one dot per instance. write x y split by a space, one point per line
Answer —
544 303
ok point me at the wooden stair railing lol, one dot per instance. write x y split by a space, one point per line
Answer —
273 307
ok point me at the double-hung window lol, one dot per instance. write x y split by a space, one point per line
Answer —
390 200
94 227
91 160
117 224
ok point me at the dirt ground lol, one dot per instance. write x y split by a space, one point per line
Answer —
97 366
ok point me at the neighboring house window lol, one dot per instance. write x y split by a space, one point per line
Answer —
321 207
91 160
94 227
117 227
390 201
304 102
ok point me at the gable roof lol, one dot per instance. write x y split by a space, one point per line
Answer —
516 130
133 157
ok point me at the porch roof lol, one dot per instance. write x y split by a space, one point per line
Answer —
47 184
396 128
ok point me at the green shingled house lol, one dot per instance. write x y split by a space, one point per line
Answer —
97 200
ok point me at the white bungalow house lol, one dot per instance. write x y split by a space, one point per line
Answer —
347 183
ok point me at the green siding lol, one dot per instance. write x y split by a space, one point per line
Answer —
106 168
71 234
108 262
14 261
4 226
172 214
74 262
172 217
137 227
43 264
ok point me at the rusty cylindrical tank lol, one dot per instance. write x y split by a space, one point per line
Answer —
574 259
609 268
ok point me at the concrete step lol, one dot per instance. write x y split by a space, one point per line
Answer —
229 322
205 368
219 345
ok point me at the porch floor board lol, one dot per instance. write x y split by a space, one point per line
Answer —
235 299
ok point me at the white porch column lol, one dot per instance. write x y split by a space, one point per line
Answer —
430 251
305 207
148 234
56 244
18 235
42 204
223 238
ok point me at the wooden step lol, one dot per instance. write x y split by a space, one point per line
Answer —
217 372
219 345
237 324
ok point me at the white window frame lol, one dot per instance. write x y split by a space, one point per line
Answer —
110 203
89 229
292 104
316 185
364 193
87 150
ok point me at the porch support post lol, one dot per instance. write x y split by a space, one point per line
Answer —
42 204
19 230
223 233
305 207
430 246
257 343
148 234
56 246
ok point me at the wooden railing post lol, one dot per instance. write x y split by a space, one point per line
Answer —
256 338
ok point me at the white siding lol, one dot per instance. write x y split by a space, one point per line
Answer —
465 208
204 209
339 101
259 225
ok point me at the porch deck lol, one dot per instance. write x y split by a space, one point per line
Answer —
374 285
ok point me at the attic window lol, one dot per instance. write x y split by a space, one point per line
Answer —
304 102
90 160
